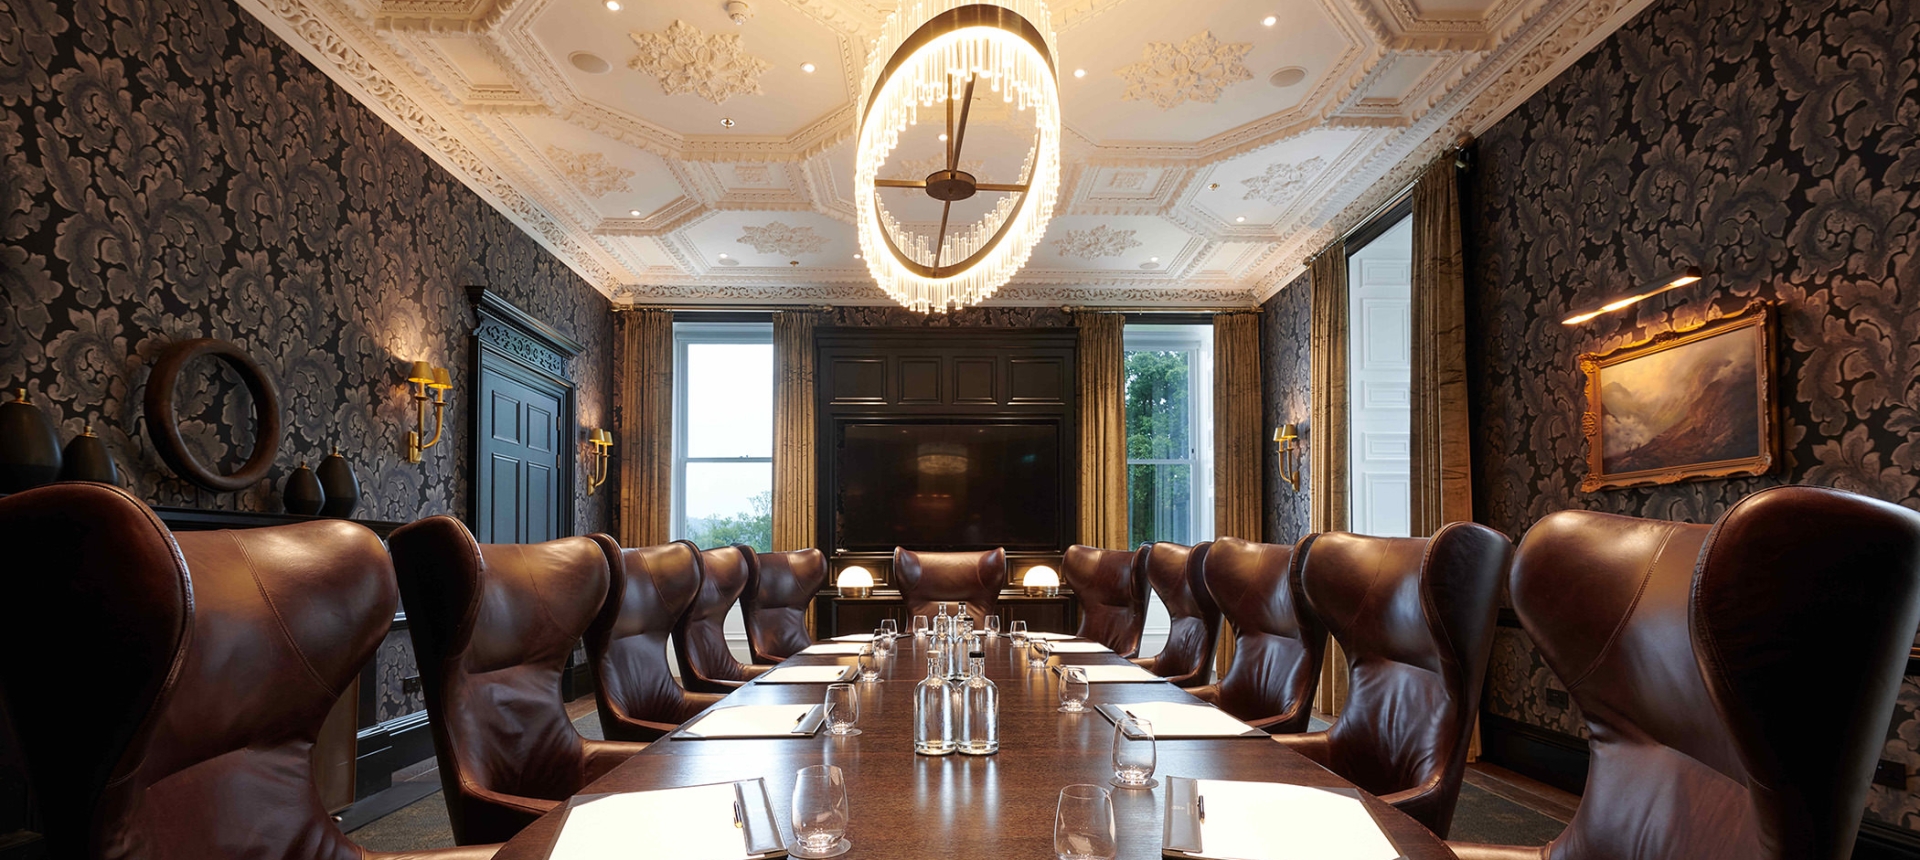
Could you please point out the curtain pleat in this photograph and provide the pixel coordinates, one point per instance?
(1441, 457)
(1238, 416)
(644, 370)
(794, 489)
(1327, 436)
(1103, 431)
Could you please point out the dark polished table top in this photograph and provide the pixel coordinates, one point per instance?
(904, 805)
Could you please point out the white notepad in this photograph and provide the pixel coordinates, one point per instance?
(1054, 636)
(839, 649)
(854, 637)
(1179, 719)
(751, 721)
(1117, 674)
(1271, 821)
(1081, 648)
(695, 823)
(808, 675)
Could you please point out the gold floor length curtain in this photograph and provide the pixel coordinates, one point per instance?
(1327, 437)
(1238, 416)
(1103, 431)
(794, 503)
(644, 370)
(1441, 456)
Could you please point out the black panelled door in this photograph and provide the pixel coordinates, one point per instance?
(523, 426)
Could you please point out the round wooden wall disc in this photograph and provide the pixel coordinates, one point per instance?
(164, 425)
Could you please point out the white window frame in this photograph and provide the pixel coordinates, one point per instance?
(1197, 341)
(684, 334)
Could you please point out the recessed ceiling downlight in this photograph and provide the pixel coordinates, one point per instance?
(1288, 76)
(1149, 265)
(589, 62)
(728, 261)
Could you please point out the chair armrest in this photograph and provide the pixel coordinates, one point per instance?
(1209, 693)
(491, 816)
(467, 852)
(1143, 662)
(598, 757)
(755, 670)
(1313, 745)
(1477, 851)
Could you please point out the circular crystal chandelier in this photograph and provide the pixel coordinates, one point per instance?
(939, 52)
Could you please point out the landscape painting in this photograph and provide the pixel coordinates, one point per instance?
(1685, 405)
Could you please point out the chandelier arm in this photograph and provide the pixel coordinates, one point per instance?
(939, 239)
(899, 183)
(996, 186)
(956, 138)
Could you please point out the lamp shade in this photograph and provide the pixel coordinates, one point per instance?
(1042, 576)
(441, 379)
(855, 581)
(422, 373)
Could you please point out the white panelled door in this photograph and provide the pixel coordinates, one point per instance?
(1380, 367)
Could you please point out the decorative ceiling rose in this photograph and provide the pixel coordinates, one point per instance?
(943, 52)
(1282, 182)
(1101, 241)
(590, 171)
(1197, 70)
(715, 68)
(780, 239)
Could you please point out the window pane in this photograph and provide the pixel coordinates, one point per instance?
(1158, 399)
(1159, 503)
(729, 503)
(729, 400)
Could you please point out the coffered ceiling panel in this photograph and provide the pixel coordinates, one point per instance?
(1207, 152)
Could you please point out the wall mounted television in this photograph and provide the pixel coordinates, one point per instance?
(948, 485)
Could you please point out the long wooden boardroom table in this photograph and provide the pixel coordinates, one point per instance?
(904, 805)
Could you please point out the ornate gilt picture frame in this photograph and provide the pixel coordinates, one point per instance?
(1685, 405)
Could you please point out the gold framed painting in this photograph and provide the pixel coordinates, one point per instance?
(1685, 405)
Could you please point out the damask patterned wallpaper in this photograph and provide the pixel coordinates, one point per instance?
(1286, 383)
(1772, 142)
(169, 169)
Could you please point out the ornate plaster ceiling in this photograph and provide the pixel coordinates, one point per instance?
(673, 156)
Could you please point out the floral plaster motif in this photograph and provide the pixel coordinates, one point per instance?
(590, 171)
(715, 68)
(1101, 241)
(1196, 70)
(778, 238)
(1282, 182)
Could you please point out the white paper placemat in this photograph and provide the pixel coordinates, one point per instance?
(1054, 636)
(751, 721)
(854, 637)
(1081, 648)
(694, 823)
(1116, 674)
(835, 649)
(808, 675)
(1185, 720)
(1271, 821)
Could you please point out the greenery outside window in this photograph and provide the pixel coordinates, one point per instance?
(723, 434)
(1168, 381)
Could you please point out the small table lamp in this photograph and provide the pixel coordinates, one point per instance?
(855, 581)
(1041, 581)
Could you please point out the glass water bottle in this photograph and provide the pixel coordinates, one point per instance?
(980, 717)
(933, 729)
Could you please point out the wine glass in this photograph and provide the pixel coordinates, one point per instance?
(1039, 652)
(1073, 690)
(889, 627)
(882, 643)
(993, 627)
(820, 812)
(843, 710)
(1083, 824)
(920, 626)
(1133, 753)
(870, 663)
(1018, 633)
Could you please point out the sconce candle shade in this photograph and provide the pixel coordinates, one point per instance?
(1291, 451)
(855, 581)
(421, 374)
(597, 459)
(441, 379)
(1679, 279)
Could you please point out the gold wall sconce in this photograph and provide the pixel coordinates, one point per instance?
(1292, 450)
(1679, 279)
(598, 458)
(426, 377)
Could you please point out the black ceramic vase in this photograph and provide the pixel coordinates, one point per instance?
(86, 459)
(342, 488)
(302, 493)
(29, 449)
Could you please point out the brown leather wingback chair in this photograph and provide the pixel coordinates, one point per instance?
(1691, 650)
(1279, 643)
(1415, 617)
(1193, 628)
(635, 691)
(700, 639)
(1111, 588)
(775, 603)
(213, 659)
(929, 578)
(492, 627)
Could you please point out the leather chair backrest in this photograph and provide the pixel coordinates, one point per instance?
(700, 640)
(651, 588)
(775, 603)
(1415, 617)
(1691, 651)
(929, 578)
(214, 659)
(1279, 643)
(1193, 621)
(1111, 587)
(492, 627)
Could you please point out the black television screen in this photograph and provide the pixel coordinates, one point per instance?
(948, 486)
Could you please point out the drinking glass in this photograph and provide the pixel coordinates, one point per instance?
(843, 710)
(1018, 633)
(870, 663)
(1073, 690)
(1039, 652)
(1083, 824)
(820, 812)
(889, 627)
(993, 626)
(882, 643)
(920, 626)
(1133, 755)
